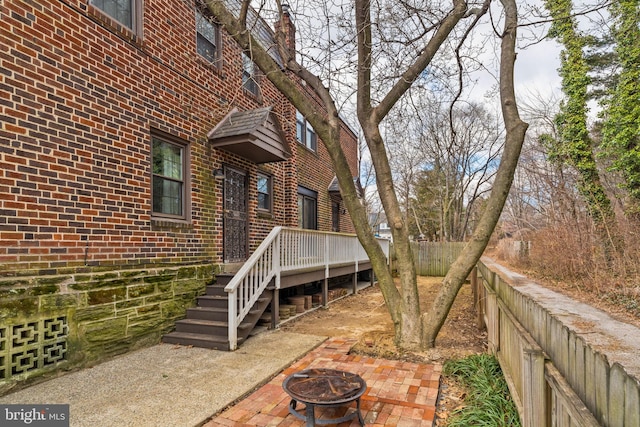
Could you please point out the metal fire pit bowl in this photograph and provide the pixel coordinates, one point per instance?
(324, 388)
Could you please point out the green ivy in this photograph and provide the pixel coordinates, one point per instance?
(574, 146)
(621, 129)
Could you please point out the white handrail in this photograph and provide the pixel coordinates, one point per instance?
(287, 249)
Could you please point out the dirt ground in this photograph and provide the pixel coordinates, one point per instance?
(364, 316)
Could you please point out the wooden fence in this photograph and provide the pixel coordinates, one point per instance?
(434, 258)
(566, 363)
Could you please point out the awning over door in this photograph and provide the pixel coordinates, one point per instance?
(255, 135)
(334, 186)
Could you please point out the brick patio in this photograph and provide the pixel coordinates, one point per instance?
(398, 393)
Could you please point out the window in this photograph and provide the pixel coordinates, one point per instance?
(264, 192)
(208, 36)
(168, 192)
(305, 133)
(123, 11)
(249, 80)
(307, 208)
(335, 216)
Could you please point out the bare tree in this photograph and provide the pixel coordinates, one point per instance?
(407, 36)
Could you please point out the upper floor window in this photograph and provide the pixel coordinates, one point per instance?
(264, 192)
(169, 187)
(249, 75)
(123, 11)
(305, 133)
(208, 38)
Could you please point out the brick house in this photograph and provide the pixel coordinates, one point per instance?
(141, 154)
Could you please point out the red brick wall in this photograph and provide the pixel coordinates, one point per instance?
(79, 98)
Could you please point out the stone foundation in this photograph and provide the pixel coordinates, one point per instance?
(67, 321)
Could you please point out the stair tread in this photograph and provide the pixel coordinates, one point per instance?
(203, 322)
(194, 336)
(205, 308)
(209, 322)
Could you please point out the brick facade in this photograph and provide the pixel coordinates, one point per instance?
(80, 98)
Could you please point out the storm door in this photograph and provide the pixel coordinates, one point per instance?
(235, 215)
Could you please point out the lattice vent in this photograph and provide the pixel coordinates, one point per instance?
(34, 345)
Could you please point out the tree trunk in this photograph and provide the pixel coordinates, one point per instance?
(412, 331)
(433, 320)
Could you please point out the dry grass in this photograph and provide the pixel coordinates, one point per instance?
(570, 258)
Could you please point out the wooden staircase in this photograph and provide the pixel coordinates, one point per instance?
(207, 324)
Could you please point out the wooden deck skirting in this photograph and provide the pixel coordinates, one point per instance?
(567, 364)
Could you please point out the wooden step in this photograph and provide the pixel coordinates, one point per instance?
(208, 313)
(213, 301)
(208, 327)
(223, 279)
(197, 340)
(216, 289)
(205, 327)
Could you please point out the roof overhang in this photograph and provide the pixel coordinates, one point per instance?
(334, 187)
(255, 135)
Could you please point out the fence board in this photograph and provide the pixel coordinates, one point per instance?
(582, 387)
(602, 389)
(631, 404)
(435, 258)
(568, 406)
(579, 368)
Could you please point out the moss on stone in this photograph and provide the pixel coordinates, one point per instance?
(187, 273)
(160, 279)
(53, 280)
(129, 303)
(134, 273)
(12, 293)
(94, 313)
(189, 286)
(174, 309)
(18, 307)
(145, 309)
(44, 290)
(14, 284)
(105, 296)
(164, 296)
(104, 331)
(57, 301)
(140, 290)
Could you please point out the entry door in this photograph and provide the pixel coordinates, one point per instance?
(235, 215)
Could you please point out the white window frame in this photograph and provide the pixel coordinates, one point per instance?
(305, 134)
(268, 179)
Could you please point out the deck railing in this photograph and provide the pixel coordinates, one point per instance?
(285, 250)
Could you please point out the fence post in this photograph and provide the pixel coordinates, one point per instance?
(493, 322)
(534, 389)
(477, 303)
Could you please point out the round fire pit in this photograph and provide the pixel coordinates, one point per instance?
(324, 388)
